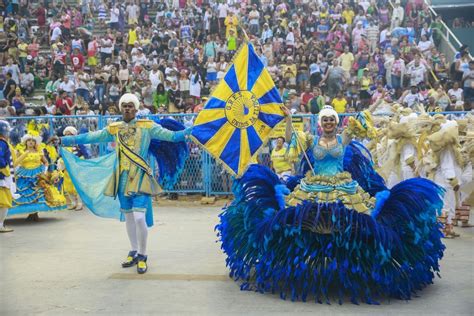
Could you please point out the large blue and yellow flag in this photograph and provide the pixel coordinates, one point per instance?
(241, 112)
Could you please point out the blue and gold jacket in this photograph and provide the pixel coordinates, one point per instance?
(133, 141)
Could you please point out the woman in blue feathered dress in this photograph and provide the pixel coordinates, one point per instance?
(336, 230)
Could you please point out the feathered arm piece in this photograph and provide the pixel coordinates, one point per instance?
(170, 156)
(361, 126)
(299, 143)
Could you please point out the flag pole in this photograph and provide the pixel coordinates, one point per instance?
(293, 131)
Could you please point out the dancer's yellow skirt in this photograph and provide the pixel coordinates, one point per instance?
(5, 198)
(68, 185)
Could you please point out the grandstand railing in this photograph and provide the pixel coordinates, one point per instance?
(202, 174)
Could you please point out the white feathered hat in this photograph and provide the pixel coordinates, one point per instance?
(327, 110)
(129, 97)
(27, 137)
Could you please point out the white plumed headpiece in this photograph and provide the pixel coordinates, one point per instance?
(327, 110)
(27, 137)
(129, 97)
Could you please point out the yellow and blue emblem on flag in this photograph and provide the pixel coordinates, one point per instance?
(241, 112)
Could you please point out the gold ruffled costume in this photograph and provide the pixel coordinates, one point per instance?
(360, 201)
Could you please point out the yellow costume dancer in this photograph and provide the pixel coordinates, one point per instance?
(69, 189)
(38, 192)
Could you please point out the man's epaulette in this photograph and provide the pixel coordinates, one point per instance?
(144, 123)
(114, 127)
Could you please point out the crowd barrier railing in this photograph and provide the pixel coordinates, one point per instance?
(202, 174)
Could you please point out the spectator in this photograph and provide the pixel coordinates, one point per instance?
(106, 48)
(64, 104)
(231, 42)
(114, 89)
(412, 97)
(339, 103)
(397, 72)
(267, 33)
(468, 86)
(306, 96)
(59, 61)
(50, 106)
(417, 72)
(13, 69)
(279, 160)
(56, 33)
(346, 60)
(77, 60)
(195, 83)
(373, 33)
(81, 84)
(425, 46)
(160, 99)
(9, 87)
(456, 92)
(67, 86)
(27, 82)
(5, 109)
(83, 109)
(335, 78)
(316, 103)
(18, 101)
(397, 15)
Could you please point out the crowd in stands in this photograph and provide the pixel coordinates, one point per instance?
(462, 22)
(82, 55)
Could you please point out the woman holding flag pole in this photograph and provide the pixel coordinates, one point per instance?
(336, 225)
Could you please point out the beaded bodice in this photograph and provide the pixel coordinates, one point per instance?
(328, 161)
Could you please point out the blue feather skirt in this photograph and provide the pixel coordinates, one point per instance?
(319, 250)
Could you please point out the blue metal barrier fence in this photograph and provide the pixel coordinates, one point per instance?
(202, 174)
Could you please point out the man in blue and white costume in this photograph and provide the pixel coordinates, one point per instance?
(125, 174)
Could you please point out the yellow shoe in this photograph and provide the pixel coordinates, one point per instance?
(142, 266)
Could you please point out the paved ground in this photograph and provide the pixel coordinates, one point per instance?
(69, 263)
